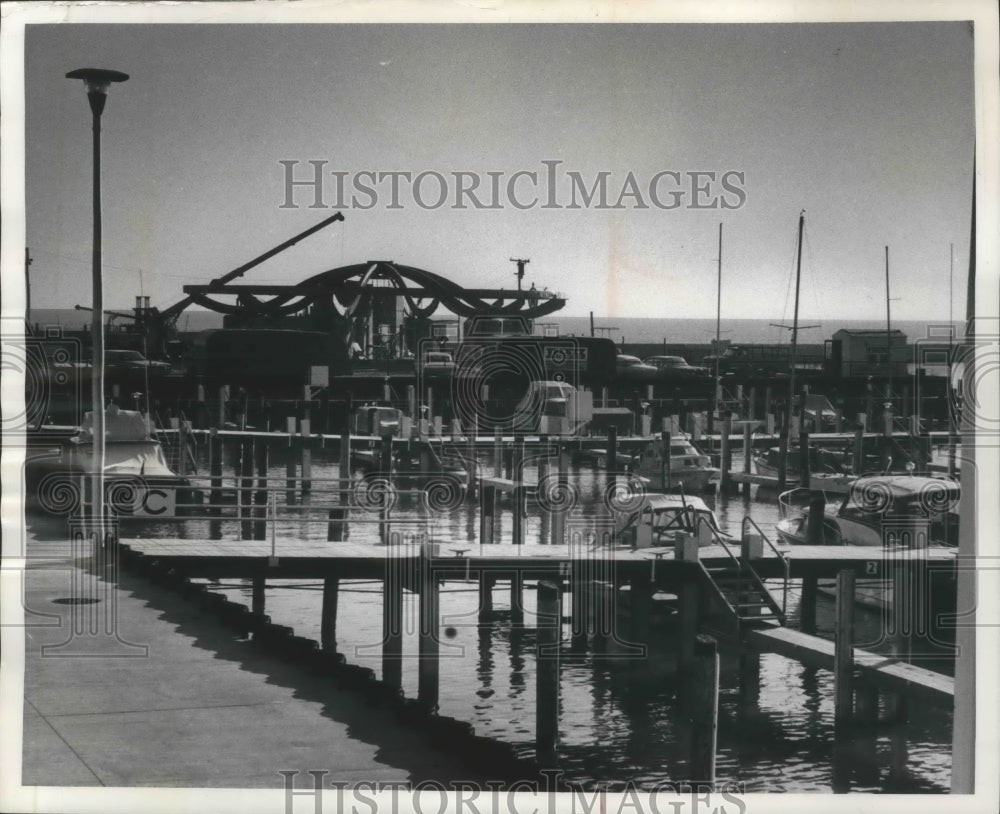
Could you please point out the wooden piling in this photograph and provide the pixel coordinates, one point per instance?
(245, 469)
(885, 442)
(290, 467)
(516, 599)
(640, 606)
(704, 710)
(665, 439)
(328, 620)
(725, 461)
(260, 496)
(859, 450)
(804, 459)
(215, 495)
(336, 525)
(557, 528)
(344, 472)
(580, 605)
(223, 398)
(485, 596)
(747, 457)
(257, 587)
(497, 453)
(905, 600)
(428, 671)
(843, 656)
(749, 678)
(689, 602)
(518, 493)
(487, 515)
(392, 626)
(306, 430)
(807, 605)
(604, 595)
(547, 678)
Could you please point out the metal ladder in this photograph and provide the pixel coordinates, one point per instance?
(739, 589)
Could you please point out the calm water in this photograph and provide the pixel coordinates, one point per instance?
(620, 719)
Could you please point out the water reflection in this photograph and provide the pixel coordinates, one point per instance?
(620, 717)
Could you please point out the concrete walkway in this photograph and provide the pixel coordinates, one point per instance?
(185, 702)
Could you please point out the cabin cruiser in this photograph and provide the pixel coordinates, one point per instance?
(654, 521)
(138, 479)
(682, 467)
(878, 510)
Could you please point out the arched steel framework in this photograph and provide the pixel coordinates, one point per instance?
(347, 288)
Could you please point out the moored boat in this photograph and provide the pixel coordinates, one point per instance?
(655, 518)
(877, 511)
(138, 479)
(680, 468)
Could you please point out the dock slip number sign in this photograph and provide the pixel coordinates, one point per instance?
(155, 502)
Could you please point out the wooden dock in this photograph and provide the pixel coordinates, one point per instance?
(298, 559)
(585, 571)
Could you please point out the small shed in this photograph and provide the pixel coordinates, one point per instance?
(870, 352)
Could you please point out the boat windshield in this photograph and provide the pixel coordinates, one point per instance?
(682, 519)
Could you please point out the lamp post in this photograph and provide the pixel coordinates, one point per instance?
(97, 81)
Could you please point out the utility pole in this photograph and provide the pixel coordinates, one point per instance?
(521, 263)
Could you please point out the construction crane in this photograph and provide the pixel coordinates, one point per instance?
(157, 324)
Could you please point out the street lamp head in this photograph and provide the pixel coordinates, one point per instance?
(97, 81)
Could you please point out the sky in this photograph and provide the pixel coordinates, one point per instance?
(866, 127)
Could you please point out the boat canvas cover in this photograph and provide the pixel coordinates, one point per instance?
(143, 459)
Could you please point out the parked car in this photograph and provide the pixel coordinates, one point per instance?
(675, 366)
(438, 364)
(632, 368)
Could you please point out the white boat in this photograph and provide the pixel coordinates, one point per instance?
(138, 479)
(878, 510)
(653, 521)
(682, 468)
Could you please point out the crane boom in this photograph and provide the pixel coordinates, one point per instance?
(172, 312)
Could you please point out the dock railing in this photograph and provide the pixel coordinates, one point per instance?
(784, 560)
(744, 565)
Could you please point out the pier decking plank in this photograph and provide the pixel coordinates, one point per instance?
(889, 673)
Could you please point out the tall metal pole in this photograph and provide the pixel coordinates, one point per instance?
(97, 81)
(97, 338)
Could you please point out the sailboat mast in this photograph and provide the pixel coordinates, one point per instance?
(718, 322)
(888, 331)
(795, 325)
